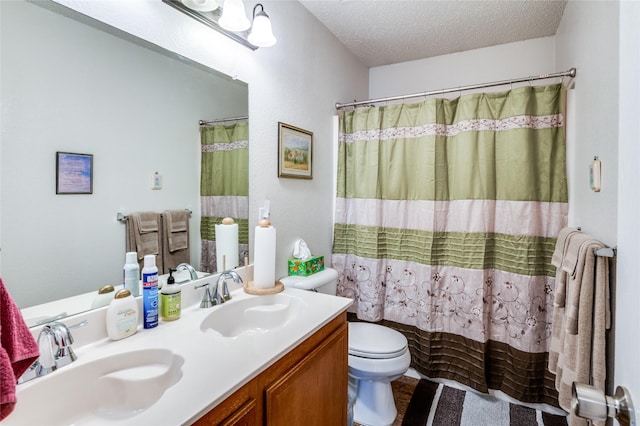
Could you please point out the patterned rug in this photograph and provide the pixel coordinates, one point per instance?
(425, 403)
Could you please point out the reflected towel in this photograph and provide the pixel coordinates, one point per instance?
(177, 229)
(175, 245)
(142, 233)
(18, 350)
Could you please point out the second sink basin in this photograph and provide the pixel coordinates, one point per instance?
(253, 315)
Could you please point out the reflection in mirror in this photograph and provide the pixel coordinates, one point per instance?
(72, 84)
(224, 194)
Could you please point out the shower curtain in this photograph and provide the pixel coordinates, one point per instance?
(224, 187)
(447, 213)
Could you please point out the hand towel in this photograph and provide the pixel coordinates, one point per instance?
(18, 350)
(562, 244)
(143, 234)
(175, 239)
(177, 230)
(564, 236)
(571, 256)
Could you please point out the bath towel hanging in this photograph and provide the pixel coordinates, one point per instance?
(581, 317)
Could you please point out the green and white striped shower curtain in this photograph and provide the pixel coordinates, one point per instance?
(447, 214)
(224, 186)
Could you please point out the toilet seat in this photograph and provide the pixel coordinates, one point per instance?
(374, 341)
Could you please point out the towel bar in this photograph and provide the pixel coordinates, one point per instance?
(605, 252)
(121, 217)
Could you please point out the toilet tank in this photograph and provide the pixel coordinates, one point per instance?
(325, 281)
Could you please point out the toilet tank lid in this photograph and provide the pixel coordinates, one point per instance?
(312, 281)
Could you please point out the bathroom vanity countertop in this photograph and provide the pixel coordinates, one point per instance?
(214, 366)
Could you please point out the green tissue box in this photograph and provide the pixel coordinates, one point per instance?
(307, 267)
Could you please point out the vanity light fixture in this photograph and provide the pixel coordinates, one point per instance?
(261, 34)
(229, 18)
(201, 5)
(234, 17)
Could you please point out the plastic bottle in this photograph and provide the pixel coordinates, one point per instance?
(170, 299)
(122, 315)
(150, 292)
(104, 297)
(131, 273)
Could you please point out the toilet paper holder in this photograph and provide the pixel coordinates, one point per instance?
(591, 403)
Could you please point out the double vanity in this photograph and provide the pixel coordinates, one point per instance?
(252, 360)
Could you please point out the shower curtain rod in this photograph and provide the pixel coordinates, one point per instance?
(221, 120)
(571, 73)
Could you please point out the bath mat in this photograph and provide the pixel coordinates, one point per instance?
(434, 404)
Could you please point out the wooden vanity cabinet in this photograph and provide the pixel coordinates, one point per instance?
(306, 386)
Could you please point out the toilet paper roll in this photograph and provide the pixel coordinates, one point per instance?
(227, 247)
(264, 257)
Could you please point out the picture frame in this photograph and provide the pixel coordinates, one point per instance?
(74, 173)
(295, 152)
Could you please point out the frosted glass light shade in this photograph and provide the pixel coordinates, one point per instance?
(201, 5)
(234, 17)
(261, 34)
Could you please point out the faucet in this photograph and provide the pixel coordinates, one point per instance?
(223, 279)
(54, 344)
(192, 271)
(220, 292)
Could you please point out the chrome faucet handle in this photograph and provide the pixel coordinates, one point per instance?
(206, 297)
(54, 344)
(216, 297)
(225, 291)
(63, 339)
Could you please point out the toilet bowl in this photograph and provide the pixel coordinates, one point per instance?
(377, 356)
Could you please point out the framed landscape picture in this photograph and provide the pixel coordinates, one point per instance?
(74, 173)
(295, 152)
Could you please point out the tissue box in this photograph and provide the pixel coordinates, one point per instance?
(307, 267)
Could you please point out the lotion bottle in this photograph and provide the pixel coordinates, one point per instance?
(104, 296)
(122, 315)
(170, 299)
(131, 273)
(150, 292)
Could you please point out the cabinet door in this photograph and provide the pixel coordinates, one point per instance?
(245, 416)
(314, 392)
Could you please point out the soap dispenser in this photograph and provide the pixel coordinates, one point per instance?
(170, 299)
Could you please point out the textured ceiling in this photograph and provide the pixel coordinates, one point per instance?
(381, 32)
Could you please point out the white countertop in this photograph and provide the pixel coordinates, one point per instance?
(214, 366)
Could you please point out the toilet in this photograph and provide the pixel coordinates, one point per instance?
(377, 356)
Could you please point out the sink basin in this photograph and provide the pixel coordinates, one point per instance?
(106, 390)
(252, 315)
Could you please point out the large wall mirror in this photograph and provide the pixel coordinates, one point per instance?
(72, 84)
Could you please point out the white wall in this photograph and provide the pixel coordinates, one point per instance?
(297, 81)
(627, 367)
(506, 61)
(588, 40)
(69, 87)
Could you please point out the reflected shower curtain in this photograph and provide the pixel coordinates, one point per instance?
(224, 187)
(447, 214)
